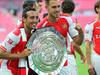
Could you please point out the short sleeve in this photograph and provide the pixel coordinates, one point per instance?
(10, 42)
(88, 32)
(72, 31)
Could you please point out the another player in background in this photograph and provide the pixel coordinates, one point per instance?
(92, 40)
(41, 9)
(67, 11)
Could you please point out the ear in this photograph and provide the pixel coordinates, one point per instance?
(97, 9)
(46, 6)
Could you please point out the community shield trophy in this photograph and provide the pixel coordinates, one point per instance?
(49, 51)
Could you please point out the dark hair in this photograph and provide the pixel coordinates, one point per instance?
(68, 0)
(39, 0)
(68, 6)
(29, 3)
(47, 2)
(44, 15)
(25, 10)
(97, 5)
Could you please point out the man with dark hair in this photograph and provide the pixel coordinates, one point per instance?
(67, 10)
(41, 9)
(34, 5)
(31, 3)
(68, 7)
(92, 39)
(14, 49)
(96, 6)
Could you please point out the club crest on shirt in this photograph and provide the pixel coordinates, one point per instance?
(64, 26)
(10, 41)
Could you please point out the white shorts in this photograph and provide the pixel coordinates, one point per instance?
(5, 71)
(96, 62)
(71, 68)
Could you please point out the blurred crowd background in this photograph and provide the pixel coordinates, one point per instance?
(10, 12)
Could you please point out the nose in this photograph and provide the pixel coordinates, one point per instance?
(35, 19)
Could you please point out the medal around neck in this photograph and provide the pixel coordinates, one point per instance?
(48, 48)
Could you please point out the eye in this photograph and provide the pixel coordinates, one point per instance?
(40, 5)
(53, 6)
(56, 6)
(33, 17)
(36, 17)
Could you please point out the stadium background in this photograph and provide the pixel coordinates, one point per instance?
(10, 12)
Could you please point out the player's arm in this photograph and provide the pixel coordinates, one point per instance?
(91, 69)
(8, 44)
(88, 43)
(80, 32)
(79, 39)
(9, 55)
(79, 51)
(88, 53)
(76, 32)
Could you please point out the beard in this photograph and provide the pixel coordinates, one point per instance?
(56, 14)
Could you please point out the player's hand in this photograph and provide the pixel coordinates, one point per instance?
(77, 25)
(83, 58)
(91, 70)
(26, 52)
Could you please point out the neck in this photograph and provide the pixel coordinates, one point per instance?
(98, 17)
(27, 30)
(52, 19)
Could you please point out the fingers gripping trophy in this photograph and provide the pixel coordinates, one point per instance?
(48, 47)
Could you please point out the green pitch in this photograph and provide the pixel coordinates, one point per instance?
(82, 68)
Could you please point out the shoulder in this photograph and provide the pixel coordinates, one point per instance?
(11, 41)
(14, 35)
(90, 25)
(66, 17)
(42, 23)
(16, 32)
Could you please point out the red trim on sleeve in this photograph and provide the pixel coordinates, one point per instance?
(1, 60)
(4, 49)
(66, 63)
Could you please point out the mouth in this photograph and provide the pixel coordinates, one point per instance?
(57, 13)
(33, 25)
